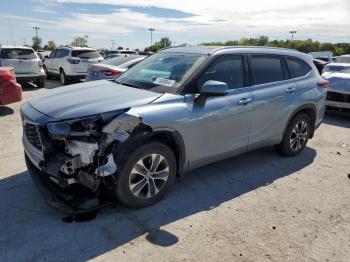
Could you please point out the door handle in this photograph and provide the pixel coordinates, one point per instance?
(290, 90)
(244, 101)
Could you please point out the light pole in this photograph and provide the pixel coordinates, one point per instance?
(36, 28)
(151, 30)
(292, 33)
(113, 43)
(86, 38)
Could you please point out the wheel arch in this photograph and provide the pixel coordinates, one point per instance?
(308, 109)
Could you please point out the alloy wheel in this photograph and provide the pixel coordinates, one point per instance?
(148, 176)
(298, 135)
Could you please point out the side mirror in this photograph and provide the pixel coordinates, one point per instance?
(46, 57)
(212, 87)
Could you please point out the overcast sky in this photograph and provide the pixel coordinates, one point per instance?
(184, 21)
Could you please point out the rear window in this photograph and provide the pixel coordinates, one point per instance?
(18, 53)
(129, 52)
(86, 54)
(297, 67)
(266, 69)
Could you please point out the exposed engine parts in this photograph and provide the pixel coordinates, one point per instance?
(83, 151)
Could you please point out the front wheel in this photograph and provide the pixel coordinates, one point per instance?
(146, 175)
(296, 136)
(63, 78)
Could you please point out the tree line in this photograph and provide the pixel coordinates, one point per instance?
(305, 46)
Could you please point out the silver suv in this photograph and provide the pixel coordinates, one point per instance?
(28, 66)
(70, 63)
(179, 109)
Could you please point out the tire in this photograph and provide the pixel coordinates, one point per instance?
(130, 180)
(63, 78)
(47, 74)
(296, 136)
(40, 83)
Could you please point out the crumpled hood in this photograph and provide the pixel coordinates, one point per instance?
(90, 98)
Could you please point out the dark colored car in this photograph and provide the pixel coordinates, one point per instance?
(10, 90)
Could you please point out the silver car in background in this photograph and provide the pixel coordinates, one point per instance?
(26, 63)
(338, 75)
(111, 68)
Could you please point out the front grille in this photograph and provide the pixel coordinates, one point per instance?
(338, 97)
(32, 134)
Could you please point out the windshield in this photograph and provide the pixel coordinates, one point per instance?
(343, 59)
(18, 53)
(88, 54)
(163, 72)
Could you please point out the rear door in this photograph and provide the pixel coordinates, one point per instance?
(271, 87)
(86, 57)
(23, 60)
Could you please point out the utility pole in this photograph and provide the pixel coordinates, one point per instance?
(24, 41)
(86, 38)
(292, 33)
(151, 30)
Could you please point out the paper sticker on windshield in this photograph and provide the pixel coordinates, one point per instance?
(164, 82)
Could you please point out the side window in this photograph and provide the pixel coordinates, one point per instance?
(297, 67)
(58, 53)
(266, 68)
(52, 54)
(228, 69)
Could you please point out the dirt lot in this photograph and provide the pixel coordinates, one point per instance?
(255, 207)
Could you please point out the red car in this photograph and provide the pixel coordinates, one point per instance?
(10, 90)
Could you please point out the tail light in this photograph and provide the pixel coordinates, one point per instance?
(323, 84)
(73, 61)
(8, 75)
(40, 64)
(111, 72)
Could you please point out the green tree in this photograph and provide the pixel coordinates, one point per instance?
(162, 43)
(51, 45)
(36, 42)
(78, 41)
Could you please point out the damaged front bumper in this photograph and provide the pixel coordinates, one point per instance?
(62, 200)
(72, 162)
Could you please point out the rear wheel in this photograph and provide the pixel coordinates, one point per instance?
(40, 83)
(296, 136)
(47, 74)
(146, 175)
(63, 78)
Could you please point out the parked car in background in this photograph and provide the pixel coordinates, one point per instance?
(119, 53)
(326, 56)
(70, 63)
(10, 90)
(112, 68)
(26, 63)
(338, 75)
(43, 54)
(179, 109)
(320, 64)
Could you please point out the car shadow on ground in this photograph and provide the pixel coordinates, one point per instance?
(32, 230)
(49, 84)
(5, 111)
(337, 119)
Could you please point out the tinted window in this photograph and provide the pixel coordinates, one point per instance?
(266, 69)
(52, 54)
(18, 53)
(86, 54)
(297, 67)
(227, 69)
(58, 53)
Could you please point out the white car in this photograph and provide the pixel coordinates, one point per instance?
(119, 53)
(338, 75)
(70, 63)
(26, 63)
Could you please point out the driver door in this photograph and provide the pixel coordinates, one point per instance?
(220, 125)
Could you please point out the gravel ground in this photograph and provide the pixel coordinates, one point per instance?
(256, 207)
